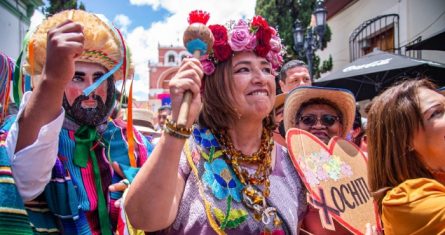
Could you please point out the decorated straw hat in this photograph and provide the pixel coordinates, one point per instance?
(342, 98)
(102, 43)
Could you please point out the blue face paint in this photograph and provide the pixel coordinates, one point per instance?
(99, 81)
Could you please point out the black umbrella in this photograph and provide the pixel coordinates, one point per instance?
(367, 76)
(434, 42)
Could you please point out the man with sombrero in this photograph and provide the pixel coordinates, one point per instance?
(70, 161)
(325, 113)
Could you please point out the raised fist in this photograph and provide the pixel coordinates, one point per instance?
(65, 43)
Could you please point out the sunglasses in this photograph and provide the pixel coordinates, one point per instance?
(325, 119)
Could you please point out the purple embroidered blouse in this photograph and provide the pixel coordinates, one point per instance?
(287, 194)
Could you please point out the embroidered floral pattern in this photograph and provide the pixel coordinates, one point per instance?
(222, 180)
(205, 138)
(320, 166)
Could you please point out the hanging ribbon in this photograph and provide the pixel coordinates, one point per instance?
(87, 91)
(85, 137)
(130, 131)
(17, 84)
(6, 68)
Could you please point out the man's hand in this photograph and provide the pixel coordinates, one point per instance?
(65, 43)
(121, 185)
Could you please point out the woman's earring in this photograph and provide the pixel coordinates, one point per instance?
(410, 149)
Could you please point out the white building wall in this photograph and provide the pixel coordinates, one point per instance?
(12, 30)
(416, 18)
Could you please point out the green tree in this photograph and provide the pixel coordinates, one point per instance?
(60, 5)
(282, 15)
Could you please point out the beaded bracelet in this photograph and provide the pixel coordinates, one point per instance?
(175, 128)
(177, 132)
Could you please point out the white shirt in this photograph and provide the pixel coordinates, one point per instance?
(32, 166)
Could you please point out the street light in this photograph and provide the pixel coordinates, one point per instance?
(312, 41)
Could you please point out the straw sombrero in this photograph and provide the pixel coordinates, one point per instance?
(143, 121)
(344, 100)
(279, 100)
(102, 45)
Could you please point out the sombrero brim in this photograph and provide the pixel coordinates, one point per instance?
(147, 130)
(279, 100)
(344, 100)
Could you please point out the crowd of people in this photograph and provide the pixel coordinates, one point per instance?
(77, 168)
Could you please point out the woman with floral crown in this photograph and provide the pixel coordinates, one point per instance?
(224, 174)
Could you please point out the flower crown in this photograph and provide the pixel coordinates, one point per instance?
(256, 36)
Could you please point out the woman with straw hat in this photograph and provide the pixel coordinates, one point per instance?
(70, 161)
(325, 113)
(224, 174)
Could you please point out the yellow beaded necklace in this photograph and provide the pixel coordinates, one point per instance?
(262, 158)
(253, 198)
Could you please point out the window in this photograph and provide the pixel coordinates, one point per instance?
(381, 32)
(171, 58)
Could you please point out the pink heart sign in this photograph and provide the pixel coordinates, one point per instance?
(336, 178)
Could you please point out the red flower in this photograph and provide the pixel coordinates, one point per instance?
(198, 16)
(219, 33)
(260, 22)
(263, 36)
(222, 52)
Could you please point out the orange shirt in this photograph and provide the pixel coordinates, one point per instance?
(416, 206)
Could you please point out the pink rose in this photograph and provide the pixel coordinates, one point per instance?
(275, 59)
(275, 44)
(208, 66)
(252, 44)
(240, 36)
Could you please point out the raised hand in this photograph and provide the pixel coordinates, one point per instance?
(65, 43)
(188, 77)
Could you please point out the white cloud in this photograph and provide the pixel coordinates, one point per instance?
(143, 42)
(153, 3)
(122, 22)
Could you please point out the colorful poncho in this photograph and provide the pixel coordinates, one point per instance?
(13, 216)
(69, 203)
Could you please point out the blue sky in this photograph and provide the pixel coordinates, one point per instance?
(141, 15)
(147, 23)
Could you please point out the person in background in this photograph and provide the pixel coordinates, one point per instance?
(406, 164)
(163, 113)
(13, 216)
(225, 174)
(143, 122)
(325, 113)
(279, 134)
(357, 131)
(293, 74)
(71, 161)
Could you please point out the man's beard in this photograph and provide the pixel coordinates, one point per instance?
(89, 116)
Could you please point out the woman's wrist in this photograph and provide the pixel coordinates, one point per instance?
(171, 128)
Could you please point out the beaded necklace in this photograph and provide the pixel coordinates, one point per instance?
(262, 158)
(253, 198)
